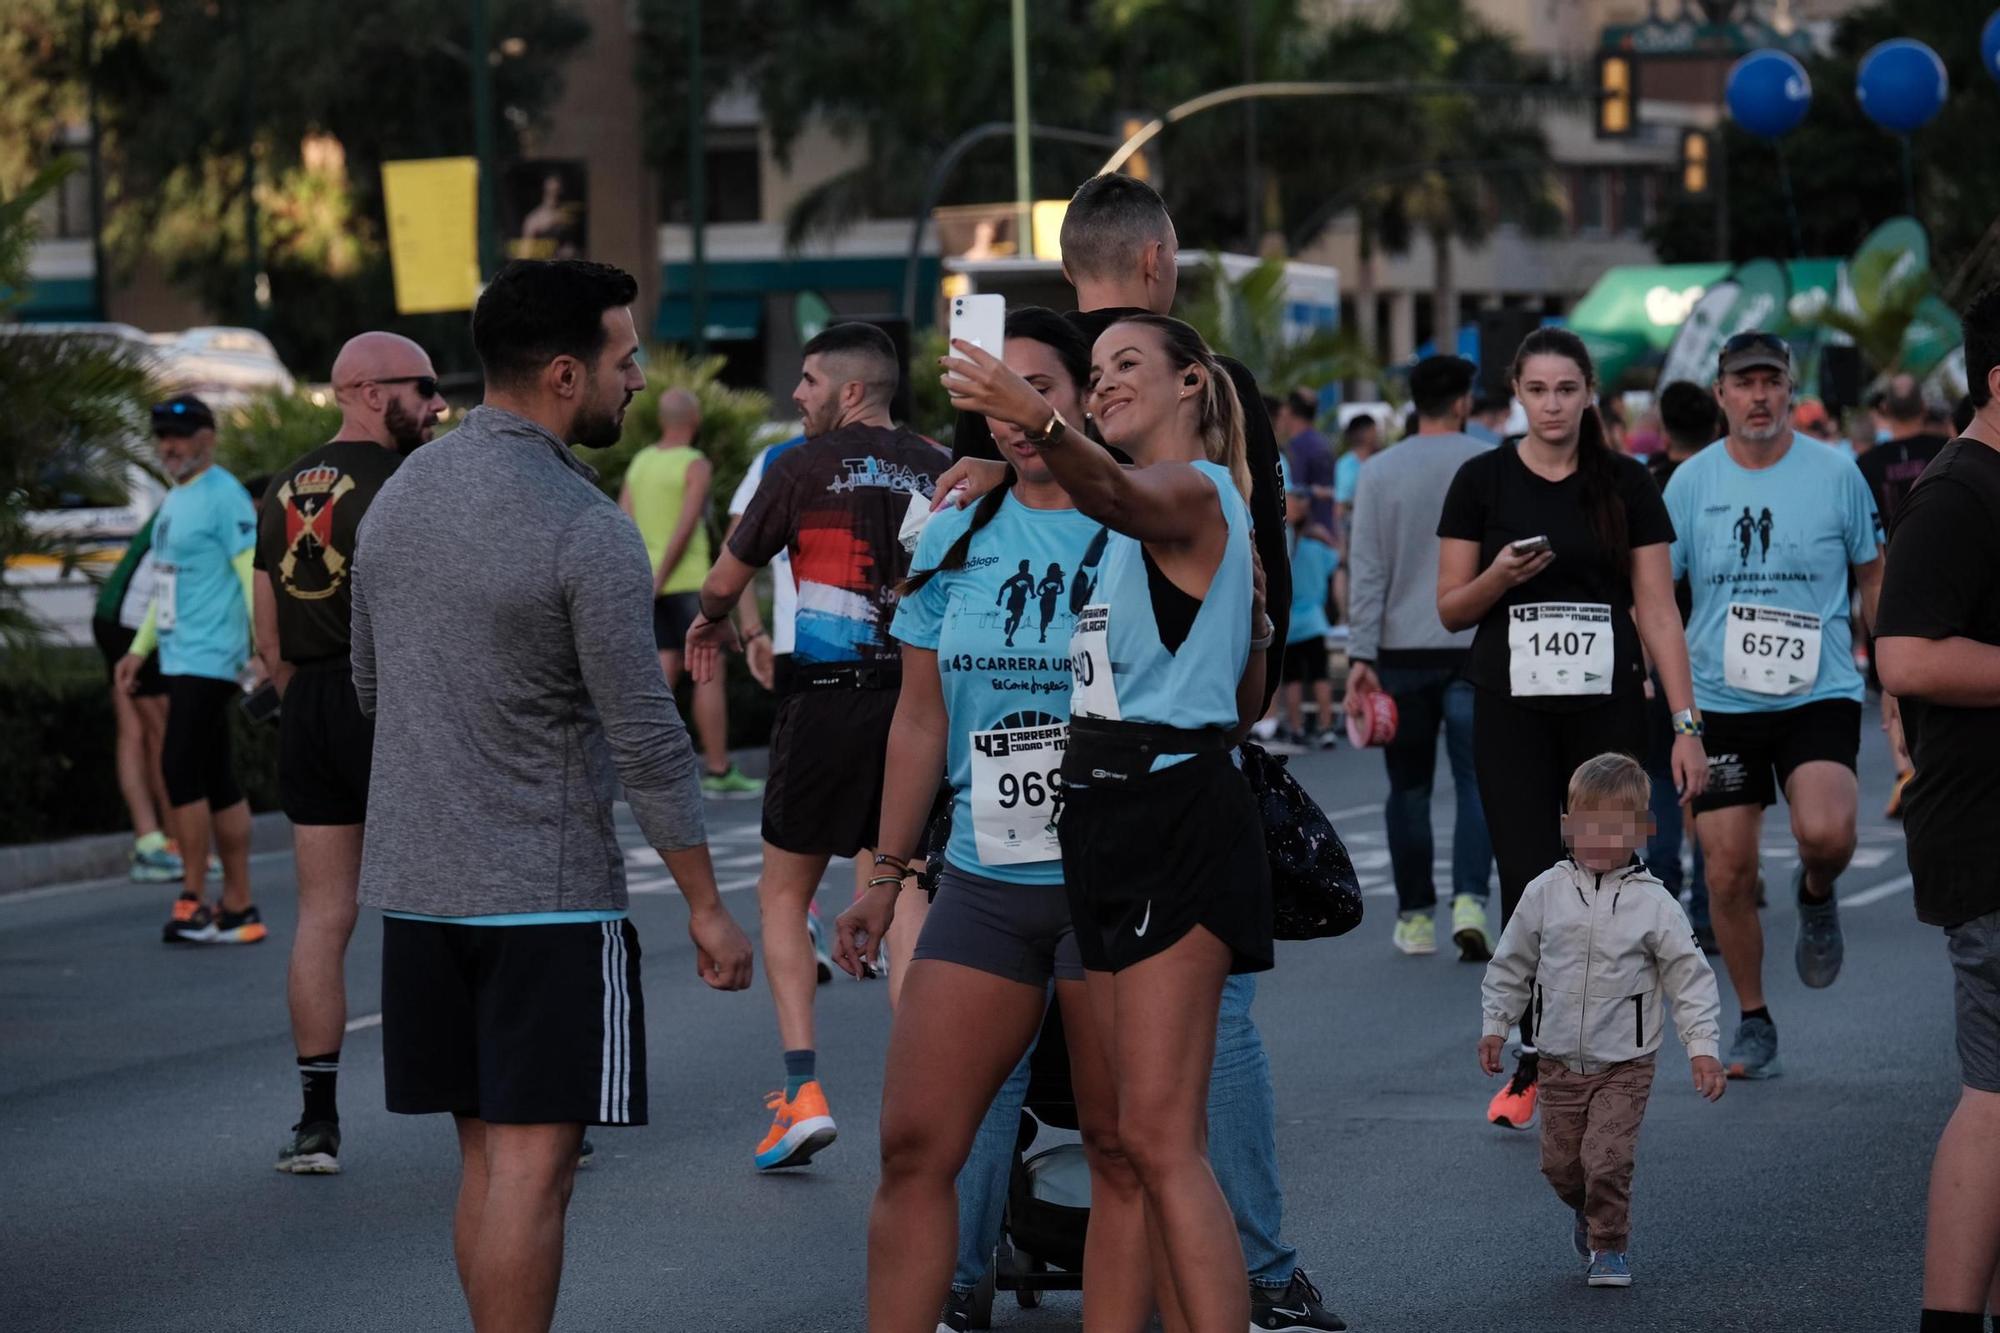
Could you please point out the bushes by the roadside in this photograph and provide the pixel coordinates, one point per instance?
(58, 767)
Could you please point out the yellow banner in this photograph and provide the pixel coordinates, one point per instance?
(433, 208)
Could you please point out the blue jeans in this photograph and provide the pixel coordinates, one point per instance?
(1427, 699)
(1242, 1147)
(1663, 852)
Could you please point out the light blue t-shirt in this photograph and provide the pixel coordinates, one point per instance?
(203, 525)
(1313, 563)
(1781, 539)
(1346, 476)
(1000, 627)
(1121, 667)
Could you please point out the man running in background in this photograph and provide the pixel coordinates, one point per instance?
(835, 504)
(1774, 676)
(387, 391)
(666, 493)
(200, 621)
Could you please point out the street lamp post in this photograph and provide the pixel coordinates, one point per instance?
(1023, 182)
(697, 186)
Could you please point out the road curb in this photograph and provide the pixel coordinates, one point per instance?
(104, 855)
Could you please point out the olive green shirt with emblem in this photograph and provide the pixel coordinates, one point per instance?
(305, 542)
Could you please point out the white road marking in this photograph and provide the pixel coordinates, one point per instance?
(365, 1021)
(1888, 888)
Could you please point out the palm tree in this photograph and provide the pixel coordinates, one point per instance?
(1244, 318)
(1488, 160)
(75, 409)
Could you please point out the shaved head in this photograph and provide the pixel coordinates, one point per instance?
(679, 409)
(387, 391)
(378, 355)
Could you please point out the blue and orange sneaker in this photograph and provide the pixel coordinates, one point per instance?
(800, 1127)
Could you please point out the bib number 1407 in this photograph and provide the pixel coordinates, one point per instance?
(1559, 648)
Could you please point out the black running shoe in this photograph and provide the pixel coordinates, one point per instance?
(1296, 1305)
(313, 1151)
(956, 1317)
(191, 922)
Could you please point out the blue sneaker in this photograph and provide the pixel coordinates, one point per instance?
(1753, 1052)
(1819, 950)
(1579, 1236)
(152, 862)
(1608, 1268)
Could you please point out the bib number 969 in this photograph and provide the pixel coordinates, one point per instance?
(1029, 788)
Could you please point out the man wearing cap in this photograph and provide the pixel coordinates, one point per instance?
(1774, 676)
(200, 620)
(387, 391)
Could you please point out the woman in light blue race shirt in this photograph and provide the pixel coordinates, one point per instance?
(985, 622)
(1162, 846)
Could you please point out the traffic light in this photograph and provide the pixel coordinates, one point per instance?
(1617, 97)
(1695, 149)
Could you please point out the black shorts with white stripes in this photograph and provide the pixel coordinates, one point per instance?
(514, 1025)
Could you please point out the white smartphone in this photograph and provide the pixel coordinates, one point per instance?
(980, 320)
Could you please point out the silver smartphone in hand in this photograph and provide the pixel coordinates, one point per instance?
(1529, 546)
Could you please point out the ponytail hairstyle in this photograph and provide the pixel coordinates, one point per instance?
(1222, 437)
(1596, 465)
(1037, 324)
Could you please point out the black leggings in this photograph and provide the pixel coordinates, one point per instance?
(194, 757)
(1524, 757)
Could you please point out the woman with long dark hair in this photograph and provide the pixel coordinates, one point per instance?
(1556, 550)
(987, 707)
(1162, 848)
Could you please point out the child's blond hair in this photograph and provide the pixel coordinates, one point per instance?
(1610, 782)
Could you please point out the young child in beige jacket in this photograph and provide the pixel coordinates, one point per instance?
(1591, 955)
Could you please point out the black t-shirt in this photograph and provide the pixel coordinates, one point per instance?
(971, 439)
(1943, 582)
(1892, 470)
(305, 542)
(1495, 500)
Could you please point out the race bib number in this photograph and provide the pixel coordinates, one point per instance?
(1559, 648)
(1767, 650)
(166, 582)
(1017, 794)
(1092, 693)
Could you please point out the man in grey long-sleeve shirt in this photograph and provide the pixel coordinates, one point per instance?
(502, 642)
(1398, 644)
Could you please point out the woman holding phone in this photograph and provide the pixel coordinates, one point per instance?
(993, 718)
(1556, 550)
(1162, 846)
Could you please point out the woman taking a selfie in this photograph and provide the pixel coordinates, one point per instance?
(1162, 846)
(1556, 549)
(992, 716)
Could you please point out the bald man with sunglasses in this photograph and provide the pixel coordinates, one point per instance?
(389, 404)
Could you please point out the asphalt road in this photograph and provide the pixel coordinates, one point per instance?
(145, 1090)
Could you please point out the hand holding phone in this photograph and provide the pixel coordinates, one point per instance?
(1529, 546)
(981, 320)
(1522, 560)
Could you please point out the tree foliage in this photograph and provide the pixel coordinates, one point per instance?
(331, 91)
(1846, 171)
(1244, 318)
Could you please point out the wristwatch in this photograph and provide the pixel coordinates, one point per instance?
(1047, 434)
(1687, 724)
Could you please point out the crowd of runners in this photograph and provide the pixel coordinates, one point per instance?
(1021, 679)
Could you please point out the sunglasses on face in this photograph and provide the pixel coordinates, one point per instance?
(427, 385)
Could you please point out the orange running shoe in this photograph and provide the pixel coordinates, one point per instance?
(191, 922)
(1513, 1107)
(800, 1127)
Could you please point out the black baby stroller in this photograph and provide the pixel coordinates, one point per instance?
(1048, 1192)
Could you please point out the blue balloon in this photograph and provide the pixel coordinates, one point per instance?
(1989, 45)
(1769, 93)
(1902, 85)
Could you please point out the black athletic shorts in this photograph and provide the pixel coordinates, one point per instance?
(673, 616)
(114, 641)
(195, 758)
(1148, 860)
(514, 1025)
(823, 796)
(326, 745)
(1305, 661)
(1751, 756)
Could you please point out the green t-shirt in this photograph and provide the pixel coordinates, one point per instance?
(111, 597)
(657, 480)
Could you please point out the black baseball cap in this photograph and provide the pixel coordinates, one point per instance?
(183, 414)
(1752, 349)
